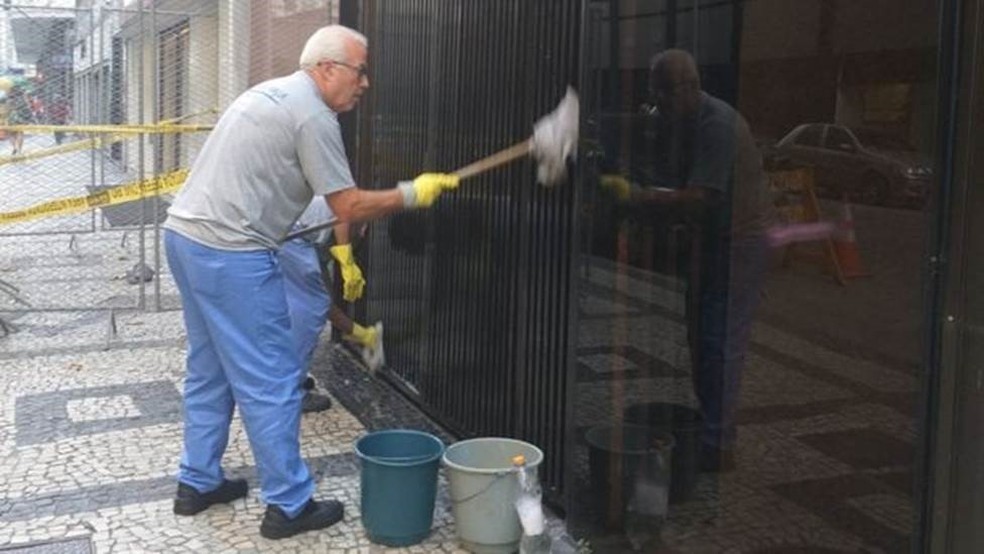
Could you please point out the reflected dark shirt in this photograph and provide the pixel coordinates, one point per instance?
(715, 151)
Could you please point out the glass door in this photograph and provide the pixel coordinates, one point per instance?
(958, 453)
(750, 360)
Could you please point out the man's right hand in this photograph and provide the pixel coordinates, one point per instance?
(423, 191)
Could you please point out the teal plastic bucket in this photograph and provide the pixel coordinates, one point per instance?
(399, 484)
(484, 487)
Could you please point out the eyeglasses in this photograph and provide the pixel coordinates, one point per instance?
(361, 69)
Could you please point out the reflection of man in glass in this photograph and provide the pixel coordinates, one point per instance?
(706, 160)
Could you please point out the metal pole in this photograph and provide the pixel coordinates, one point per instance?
(91, 107)
(157, 159)
(102, 98)
(696, 23)
(142, 302)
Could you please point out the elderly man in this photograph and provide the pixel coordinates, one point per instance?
(275, 147)
(705, 162)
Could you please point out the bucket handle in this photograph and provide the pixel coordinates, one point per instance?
(498, 477)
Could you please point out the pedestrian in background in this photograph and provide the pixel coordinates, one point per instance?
(19, 112)
(59, 113)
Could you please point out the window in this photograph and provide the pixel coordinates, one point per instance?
(838, 139)
(809, 136)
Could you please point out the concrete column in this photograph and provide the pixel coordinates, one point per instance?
(203, 78)
(234, 44)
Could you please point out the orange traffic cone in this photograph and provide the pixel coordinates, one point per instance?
(846, 246)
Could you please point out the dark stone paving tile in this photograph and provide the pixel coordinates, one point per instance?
(619, 317)
(829, 500)
(783, 412)
(43, 417)
(607, 308)
(757, 415)
(80, 260)
(902, 481)
(862, 448)
(793, 325)
(790, 549)
(373, 401)
(648, 309)
(140, 491)
(903, 403)
(894, 399)
(84, 319)
(641, 366)
(89, 348)
(797, 326)
(66, 546)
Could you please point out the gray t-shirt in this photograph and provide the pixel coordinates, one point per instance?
(726, 159)
(273, 149)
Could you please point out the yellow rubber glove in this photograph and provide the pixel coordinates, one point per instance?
(618, 185)
(366, 336)
(423, 191)
(352, 281)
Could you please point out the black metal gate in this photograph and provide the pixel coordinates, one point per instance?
(475, 293)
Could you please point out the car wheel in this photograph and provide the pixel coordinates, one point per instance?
(874, 190)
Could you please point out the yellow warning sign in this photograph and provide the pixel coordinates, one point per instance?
(163, 184)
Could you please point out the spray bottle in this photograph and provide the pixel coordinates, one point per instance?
(529, 506)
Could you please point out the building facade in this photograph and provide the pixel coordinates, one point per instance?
(696, 385)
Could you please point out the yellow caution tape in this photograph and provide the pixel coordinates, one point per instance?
(186, 117)
(168, 182)
(166, 128)
(98, 142)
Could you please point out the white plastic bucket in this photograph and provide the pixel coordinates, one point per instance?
(484, 488)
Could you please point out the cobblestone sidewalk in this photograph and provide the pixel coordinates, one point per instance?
(90, 438)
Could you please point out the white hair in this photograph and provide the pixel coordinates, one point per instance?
(328, 43)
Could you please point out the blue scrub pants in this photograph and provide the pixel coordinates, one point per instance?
(240, 352)
(730, 291)
(307, 298)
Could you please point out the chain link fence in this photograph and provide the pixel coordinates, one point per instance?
(99, 99)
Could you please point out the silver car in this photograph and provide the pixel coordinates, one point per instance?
(865, 166)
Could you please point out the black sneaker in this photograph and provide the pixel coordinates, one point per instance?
(188, 501)
(314, 402)
(315, 515)
(308, 383)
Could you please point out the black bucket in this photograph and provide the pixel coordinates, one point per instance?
(685, 425)
(642, 457)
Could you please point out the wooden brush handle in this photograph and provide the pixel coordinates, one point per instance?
(501, 157)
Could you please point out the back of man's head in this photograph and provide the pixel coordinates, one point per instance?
(674, 83)
(329, 43)
(671, 68)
